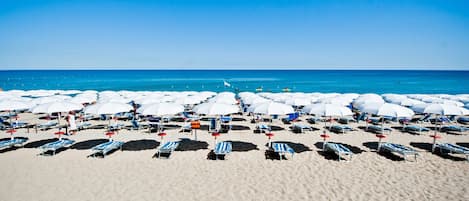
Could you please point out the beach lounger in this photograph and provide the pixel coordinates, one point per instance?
(222, 148)
(312, 120)
(398, 148)
(379, 129)
(48, 125)
(54, 146)
(106, 147)
(190, 117)
(463, 120)
(340, 129)
(452, 149)
(291, 117)
(83, 125)
(338, 149)
(116, 126)
(415, 129)
(12, 142)
(263, 128)
(453, 128)
(281, 149)
(18, 124)
(346, 120)
(168, 148)
(301, 128)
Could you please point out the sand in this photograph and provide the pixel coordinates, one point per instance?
(189, 175)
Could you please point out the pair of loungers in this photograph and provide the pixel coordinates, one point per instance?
(415, 129)
(448, 148)
(340, 129)
(339, 149)
(221, 149)
(103, 148)
(404, 151)
(379, 129)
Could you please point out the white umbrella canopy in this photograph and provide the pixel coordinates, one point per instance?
(440, 109)
(161, 109)
(215, 109)
(107, 108)
(11, 105)
(271, 108)
(388, 109)
(409, 102)
(53, 107)
(189, 100)
(298, 101)
(327, 110)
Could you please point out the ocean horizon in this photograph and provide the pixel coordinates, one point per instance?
(297, 80)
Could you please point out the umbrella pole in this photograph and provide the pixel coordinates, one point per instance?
(382, 126)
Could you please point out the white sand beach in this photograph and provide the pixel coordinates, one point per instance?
(189, 175)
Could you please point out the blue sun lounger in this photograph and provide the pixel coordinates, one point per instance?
(222, 148)
(338, 149)
(463, 120)
(416, 129)
(452, 149)
(54, 146)
(379, 129)
(340, 129)
(83, 125)
(12, 142)
(281, 149)
(301, 128)
(48, 125)
(106, 147)
(168, 148)
(398, 148)
(453, 128)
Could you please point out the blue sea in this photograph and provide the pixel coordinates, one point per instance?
(341, 81)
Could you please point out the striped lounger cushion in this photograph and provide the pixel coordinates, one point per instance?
(223, 148)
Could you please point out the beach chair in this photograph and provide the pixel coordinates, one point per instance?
(452, 149)
(338, 149)
(116, 126)
(281, 149)
(291, 117)
(340, 129)
(399, 149)
(54, 146)
(415, 129)
(312, 120)
(106, 147)
(19, 124)
(378, 129)
(222, 148)
(48, 125)
(301, 128)
(190, 117)
(453, 128)
(463, 120)
(12, 142)
(346, 120)
(263, 128)
(168, 148)
(213, 125)
(83, 125)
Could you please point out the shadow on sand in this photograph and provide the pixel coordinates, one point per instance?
(139, 145)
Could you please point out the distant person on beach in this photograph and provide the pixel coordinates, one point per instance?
(71, 123)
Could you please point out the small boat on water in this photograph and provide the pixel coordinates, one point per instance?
(286, 89)
(259, 89)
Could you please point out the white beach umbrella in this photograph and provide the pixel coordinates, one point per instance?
(440, 109)
(410, 102)
(388, 109)
(108, 108)
(215, 109)
(327, 110)
(161, 109)
(11, 105)
(55, 107)
(271, 108)
(298, 101)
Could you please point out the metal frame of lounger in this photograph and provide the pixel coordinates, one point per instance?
(453, 149)
(398, 148)
(168, 148)
(53, 146)
(106, 147)
(12, 143)
(338, 149)
(282, 149)
(222, 148)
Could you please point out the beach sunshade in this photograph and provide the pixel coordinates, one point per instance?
(215, 109)
(388, 109)
(271, 108)
(10, 105)
(327, 110)
(53, 107)
(298, 101)
(107, 108)
(440, 109)
(161, 109)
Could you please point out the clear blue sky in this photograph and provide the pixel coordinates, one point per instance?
(381, 34)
